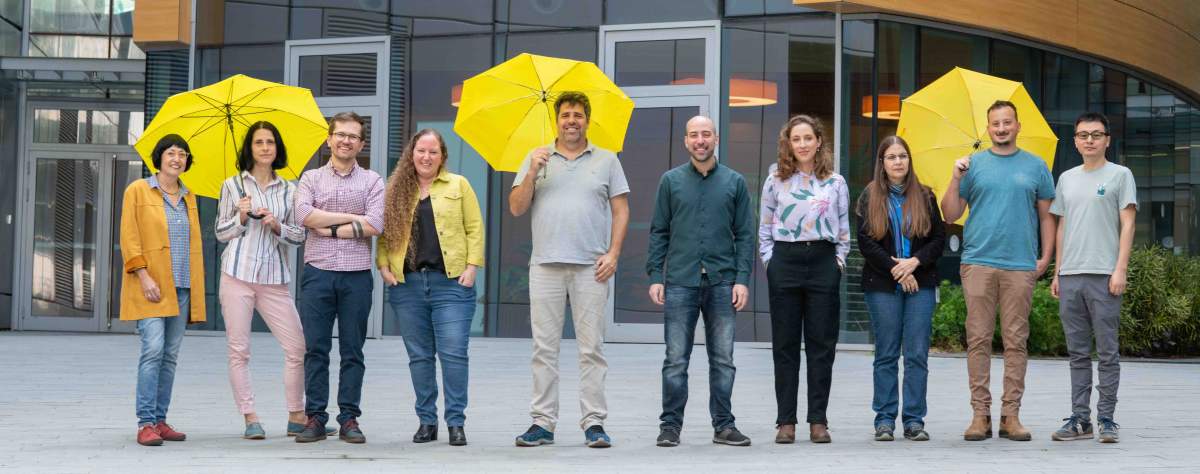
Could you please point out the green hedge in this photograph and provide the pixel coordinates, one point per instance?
(1160, 314)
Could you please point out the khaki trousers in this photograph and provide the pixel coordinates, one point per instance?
(1011, 291)
(550, 286)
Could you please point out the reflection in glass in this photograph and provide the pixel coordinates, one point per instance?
(339, 75)
(124, 174)
(64, 46)
(10, 39)
(64, 238)
(657, 63)
(101, 127)
(70, 16)
(653, 145)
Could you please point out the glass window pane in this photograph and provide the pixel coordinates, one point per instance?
(64, 238)
(122, 17)
(10, 39)
(247, 23)
(656, 63)
(124, 48)
(942, 51)
(62, 46)
(70, 16)
(124, 174)
(263, 62)
(102, 127)
(339, 75)
(577, 45)
(655, 11)
(12, 12)
(524, 15)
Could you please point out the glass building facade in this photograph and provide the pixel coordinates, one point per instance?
(773, 60)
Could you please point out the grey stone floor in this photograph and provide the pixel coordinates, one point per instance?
(68, 407)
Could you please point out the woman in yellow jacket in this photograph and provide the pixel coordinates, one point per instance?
(429, 253)
(163, 286)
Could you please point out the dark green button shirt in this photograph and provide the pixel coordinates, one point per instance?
(701, 223)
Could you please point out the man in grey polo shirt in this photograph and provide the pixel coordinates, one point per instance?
(578, 195)
(1097, 204)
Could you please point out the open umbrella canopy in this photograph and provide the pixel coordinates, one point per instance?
(214, 120)
(508, 110)
(947, 120)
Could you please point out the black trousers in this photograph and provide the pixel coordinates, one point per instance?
(803, 280)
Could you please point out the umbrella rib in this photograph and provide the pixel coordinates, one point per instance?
(514, 130)
(573, 66)
(518, 84)
(944, 119)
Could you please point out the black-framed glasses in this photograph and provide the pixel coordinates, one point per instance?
(350, 137)
(1092, 135)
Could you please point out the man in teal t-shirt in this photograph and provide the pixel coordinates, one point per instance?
(1009, 192)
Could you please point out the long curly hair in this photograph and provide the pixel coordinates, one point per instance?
(873, 204)
(788, 164)
(402, 194)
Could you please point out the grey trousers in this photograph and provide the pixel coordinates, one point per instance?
(1087, 309)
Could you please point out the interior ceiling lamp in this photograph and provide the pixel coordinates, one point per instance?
(456, 94)
(889, 106)
(743, 92)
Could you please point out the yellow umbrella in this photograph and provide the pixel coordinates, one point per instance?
(508, 110)
(214, 119)
(947, 120)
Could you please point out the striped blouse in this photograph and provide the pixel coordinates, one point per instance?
(254, 253)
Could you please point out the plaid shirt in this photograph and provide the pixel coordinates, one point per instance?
(179, 230)
(254, 253)
(358, 192)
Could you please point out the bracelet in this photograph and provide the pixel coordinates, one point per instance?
(334, 228)
(358, 230)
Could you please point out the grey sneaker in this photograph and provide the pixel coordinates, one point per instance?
(1110, 431)
(731, 436)
(884, 433)
(1076, 427)
(916, 432)
(668, 436)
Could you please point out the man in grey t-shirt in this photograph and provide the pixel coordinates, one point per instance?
(578, 195)
(1097, 203)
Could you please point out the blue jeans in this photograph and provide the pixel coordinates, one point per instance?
(326, 296)
(902, 323)
(161, 338)
(435, 314)
(684, 305)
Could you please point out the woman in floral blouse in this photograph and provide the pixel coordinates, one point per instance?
(804, 237)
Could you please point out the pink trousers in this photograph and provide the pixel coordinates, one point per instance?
(275, 304)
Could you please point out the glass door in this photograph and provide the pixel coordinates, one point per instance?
(126, 168)
(62, 242)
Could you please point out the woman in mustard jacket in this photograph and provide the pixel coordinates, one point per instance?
(163, 286)
(429, 253)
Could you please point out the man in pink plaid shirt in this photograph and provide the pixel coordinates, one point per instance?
(341, 204)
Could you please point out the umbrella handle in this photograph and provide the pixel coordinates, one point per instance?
(242, 193)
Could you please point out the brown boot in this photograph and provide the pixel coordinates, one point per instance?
(980, 429)
(1011, 428)
(786, 434)
(818, 433)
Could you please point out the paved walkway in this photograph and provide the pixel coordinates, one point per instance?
(69, 408)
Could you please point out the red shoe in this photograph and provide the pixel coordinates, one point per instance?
(168, 433)
(148, 436)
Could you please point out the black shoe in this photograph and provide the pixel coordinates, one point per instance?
(916, 432)
(731, 436)
(668, 436)
(425, 434)
(351, 433)
(884, 433)
(314, 430)
(458, 437)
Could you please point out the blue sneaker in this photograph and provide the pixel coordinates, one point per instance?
(596, 437)
(535, 436)
(1110, 431)
(254, 430)
(1076, 427)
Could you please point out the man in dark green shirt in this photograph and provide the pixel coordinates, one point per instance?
(702, 236)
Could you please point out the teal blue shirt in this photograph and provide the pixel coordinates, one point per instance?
(701, 223)
(1002, 192)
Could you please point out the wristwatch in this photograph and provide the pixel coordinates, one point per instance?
(333, 228)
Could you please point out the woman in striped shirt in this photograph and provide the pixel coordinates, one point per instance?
(255, 219)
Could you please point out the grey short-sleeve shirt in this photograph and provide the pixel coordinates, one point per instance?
(1090, 204)
(571, 213)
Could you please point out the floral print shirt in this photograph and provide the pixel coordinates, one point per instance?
(803, 208)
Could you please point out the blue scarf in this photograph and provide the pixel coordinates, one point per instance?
(896, 221)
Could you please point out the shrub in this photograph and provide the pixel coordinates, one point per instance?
(1045, 330)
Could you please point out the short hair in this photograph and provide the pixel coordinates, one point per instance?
(348, 117)
(1000, 104)
(1092, 117)
(172, 140)
(245, 161)
(573, 97)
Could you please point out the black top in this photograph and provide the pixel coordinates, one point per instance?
(877, 254)
(426, 244)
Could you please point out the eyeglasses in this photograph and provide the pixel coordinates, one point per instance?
(902, 156)
(176, 154)
(1092, 135)
(350, 137)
